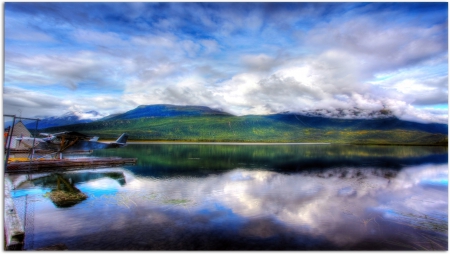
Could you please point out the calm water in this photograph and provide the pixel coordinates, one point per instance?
(246, 197)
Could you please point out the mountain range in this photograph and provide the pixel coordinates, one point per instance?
(165, 122)
(161, 110)
(66, 119)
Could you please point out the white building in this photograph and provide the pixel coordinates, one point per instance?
(20, 131)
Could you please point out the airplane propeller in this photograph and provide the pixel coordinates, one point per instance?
(20, 140)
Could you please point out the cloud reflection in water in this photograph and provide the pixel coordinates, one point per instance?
(340, 208)
(344, 205)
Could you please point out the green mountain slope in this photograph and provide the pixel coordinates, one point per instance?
(166, 110)
(228, 128)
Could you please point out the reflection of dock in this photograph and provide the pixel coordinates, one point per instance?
(67, 164)
(64, 193)
(42, 151)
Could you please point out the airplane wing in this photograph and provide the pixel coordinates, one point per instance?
(71, 135)
(30, 138)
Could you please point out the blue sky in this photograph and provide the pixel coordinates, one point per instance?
(243, 58)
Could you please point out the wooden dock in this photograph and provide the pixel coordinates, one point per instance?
(66, 164)
(13, 228)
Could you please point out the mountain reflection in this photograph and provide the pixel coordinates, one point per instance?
(169, 160)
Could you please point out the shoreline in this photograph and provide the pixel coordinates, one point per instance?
(221, 143)
(266, 143)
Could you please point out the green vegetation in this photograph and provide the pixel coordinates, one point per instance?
(63, 198)
(222, 128)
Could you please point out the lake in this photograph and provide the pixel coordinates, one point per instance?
(245, 197)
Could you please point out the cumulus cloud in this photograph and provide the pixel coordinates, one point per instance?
(98, 38)
(381, 48)
(46, 104)
(248, 58)
(210, 46)
(35, 103)
(258, 63)
(20, 31)
(67, 70)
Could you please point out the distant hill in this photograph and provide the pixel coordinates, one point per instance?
(109, 117)
(166, 110)
(378, 123)
(66, 119)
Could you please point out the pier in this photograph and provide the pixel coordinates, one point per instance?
(66, 164)
(13, 228)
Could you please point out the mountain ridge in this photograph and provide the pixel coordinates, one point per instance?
(383, 123)
(171, 110)
(68, 118)
(167, 110)
(163, 122)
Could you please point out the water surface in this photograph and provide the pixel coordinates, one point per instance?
(246, 197)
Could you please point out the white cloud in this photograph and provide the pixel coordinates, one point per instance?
(68, 70)
(85, 36)
(40, 104)
(191, 48)
(161, 41)
(258, 63)
(261, 62)
(381, 48)
(18, 29)
(211, 46)
(31, 103)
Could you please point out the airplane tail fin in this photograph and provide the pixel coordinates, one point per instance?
(94, 139)
(122, 139)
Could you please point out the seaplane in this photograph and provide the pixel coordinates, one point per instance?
(72, 141)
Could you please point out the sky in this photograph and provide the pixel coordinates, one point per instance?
(242, 58)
